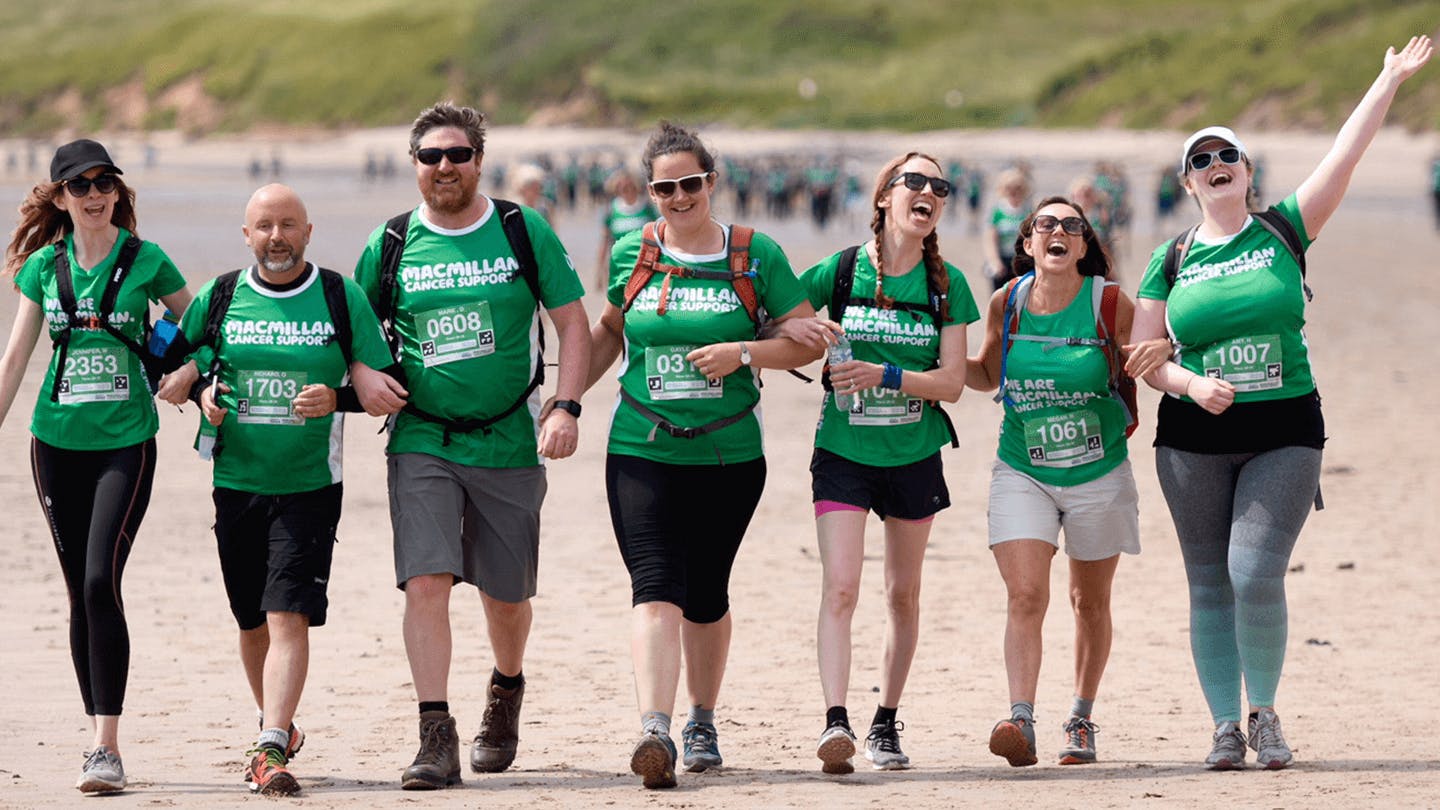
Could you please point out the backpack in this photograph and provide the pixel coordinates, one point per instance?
(741, 274)
(392, 247)
(840, 298)
(1271, 219)
(154, 366)
(1104, 300)
(222, 292)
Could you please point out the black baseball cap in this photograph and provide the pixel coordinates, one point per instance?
(77, 157)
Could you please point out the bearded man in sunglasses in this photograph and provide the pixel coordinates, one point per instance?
(458, 282)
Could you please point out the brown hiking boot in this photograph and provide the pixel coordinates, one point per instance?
(494, 746)
(437, 765)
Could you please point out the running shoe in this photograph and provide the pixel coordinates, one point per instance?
(297, 736)
(702, 747)
(1079, 741)
(1228, 751)
(102, 772)
(1014, 739)
(437, 764)
(267, 775)
(882, 747)
(837, 746)
(494, 746)
(654, 760)
(1270, 748)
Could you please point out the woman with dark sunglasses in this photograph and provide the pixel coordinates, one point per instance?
(686, 434)
(1062, 462)
(94, 423)
(904, 318)
(1239, 439)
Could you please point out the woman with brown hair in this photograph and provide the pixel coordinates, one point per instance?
(94, 423)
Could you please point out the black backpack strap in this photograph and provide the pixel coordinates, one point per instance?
(333, 285)
(1174, 253)
(512, 219)
(844, 283)
(1279, 225)
(222, 291)
(392, 247)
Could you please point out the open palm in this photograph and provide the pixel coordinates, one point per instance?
(1412, 58)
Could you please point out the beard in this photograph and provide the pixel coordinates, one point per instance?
(278, 265)
(451, 199)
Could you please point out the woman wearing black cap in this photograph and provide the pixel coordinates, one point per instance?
(94, 422)
(1238, 443)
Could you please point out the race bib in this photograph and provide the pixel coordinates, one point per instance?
(265, 397)
(1249, 363)
(455, 333)
(668, 375)
(1064, 440)
(100, 374)
(881, 406)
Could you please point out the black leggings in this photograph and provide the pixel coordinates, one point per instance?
(94, 501)
(679, 528)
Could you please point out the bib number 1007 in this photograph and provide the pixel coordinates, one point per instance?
(1248, 363)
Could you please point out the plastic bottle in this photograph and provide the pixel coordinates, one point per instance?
(164, 333)
(205, 442)
(840, 352)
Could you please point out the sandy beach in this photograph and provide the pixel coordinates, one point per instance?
(1358, 697)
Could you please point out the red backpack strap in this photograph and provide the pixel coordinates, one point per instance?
(1123, 384)
(1013, 324)
(742, 279)
(645, 263)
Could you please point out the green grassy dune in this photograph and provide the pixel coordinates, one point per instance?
(908, 64)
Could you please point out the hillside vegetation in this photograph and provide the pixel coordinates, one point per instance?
(910, 64)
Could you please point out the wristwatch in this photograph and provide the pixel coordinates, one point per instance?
(744, 354)
(569, 406)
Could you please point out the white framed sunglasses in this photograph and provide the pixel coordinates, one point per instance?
(1200, 161)
(690, 184)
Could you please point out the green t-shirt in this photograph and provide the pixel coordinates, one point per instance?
(620, 219)
(272, 344)
(699, 312)
(892, 428)
(469, 335)
(1006, 221)
(1062, 427)
(1238, 310)
(104, 402)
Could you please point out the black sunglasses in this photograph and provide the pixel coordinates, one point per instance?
(1202, 160)
(1075, 226)
(690, 184)
(80, 186)
(916, 181)
(456, 154)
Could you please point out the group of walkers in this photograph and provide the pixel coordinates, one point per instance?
(438, 331)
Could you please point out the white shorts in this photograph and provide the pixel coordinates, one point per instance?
(1101, 518)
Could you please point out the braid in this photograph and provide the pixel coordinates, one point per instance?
(935, 267)
(877, 224)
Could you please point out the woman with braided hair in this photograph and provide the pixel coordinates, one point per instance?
(904, 314)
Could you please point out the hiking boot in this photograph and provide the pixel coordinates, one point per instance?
(101, 773)
(493, 748)
(1014, 739)
(702, 748)
(1269, 744)
(297, 736)
(1228, 751)
(654, 760)
(1079, 741)
(882, 747)
(437, 765)
(837, 746)
(267, 775)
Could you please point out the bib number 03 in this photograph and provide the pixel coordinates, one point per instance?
(668, 375)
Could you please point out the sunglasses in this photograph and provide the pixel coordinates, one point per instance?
(80, 186)
(456, 154)
(690, 184)
(1202, 160)
(916, 181)
(1075, 226)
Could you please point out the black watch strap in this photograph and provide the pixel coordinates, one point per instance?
(569, 406)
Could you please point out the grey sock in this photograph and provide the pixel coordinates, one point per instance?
(699, 715)
(277, 738)
(1023, 711)
(655, 722)
(1081, 707)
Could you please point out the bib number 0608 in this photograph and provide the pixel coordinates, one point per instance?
(458, 323)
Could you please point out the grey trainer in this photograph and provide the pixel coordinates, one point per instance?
(102, 772)
(494, 746)
(882, 747)
(837, 746)
(653, 759)
(437, 764)
(1270, 748)
(1079, 741)
(1228, 751)
(702, 747)
(1014, 739)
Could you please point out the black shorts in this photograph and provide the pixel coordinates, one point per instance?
(909, 492)
(679, 528)
(275, 551)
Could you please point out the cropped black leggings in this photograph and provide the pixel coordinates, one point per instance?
(94, 501)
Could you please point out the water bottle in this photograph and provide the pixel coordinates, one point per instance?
(840, 352)
(205, 441)
(163, 333)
